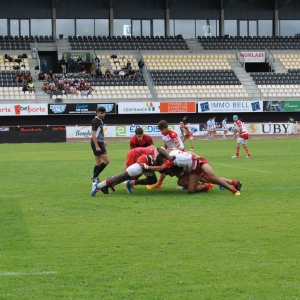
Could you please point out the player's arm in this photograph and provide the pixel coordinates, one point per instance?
(94, 138)
(154, 168)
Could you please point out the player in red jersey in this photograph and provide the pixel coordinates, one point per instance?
(197, 166)
(133, 169)
(140, 139)
(187, 134)
(243, 137)
(171, 141)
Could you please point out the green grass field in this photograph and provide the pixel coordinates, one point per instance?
(58, 242)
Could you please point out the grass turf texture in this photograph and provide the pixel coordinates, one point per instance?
(58, 242)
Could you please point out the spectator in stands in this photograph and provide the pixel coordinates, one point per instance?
(128, 65)
(19, 76)
(63, 65)
(107, 74)
(79, 62)
(31, 87)
(71, 65)
(138, 76)
(25, 88)
(66, 87)
(82, 69)
(93, 74)
(141, 65)
(52, 86)
(26, 78)
(44, 65)
(50, 75)
(122, 74)
(127, 74)
(41, 75)
(73, 90)
(131, 73)
(45, 86)
(98, 73)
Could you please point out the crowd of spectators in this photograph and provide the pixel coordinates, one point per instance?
(67, 84)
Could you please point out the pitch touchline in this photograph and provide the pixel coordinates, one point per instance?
(25, 274)
(10, 196)
(247, 169)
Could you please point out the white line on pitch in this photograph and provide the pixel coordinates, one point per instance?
(249, 169)
(26, 274)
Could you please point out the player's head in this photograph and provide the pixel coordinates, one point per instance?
(163, 127)
(235, 117)
(160, 159)
(225, 118)
(181, 124)
(139, 133)
(101, 112)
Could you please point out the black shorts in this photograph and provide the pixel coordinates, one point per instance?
(101, 146)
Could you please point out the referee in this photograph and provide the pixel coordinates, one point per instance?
(98, 145)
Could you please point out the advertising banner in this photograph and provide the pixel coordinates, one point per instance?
(253, 57)
(281, 105)
(123, 130)
(156, 107)
(24, 109)
(229, 106)
(80, 108)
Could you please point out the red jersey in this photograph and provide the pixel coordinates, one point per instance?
(134, 154)
(145, 142)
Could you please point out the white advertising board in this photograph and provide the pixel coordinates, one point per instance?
(229, 106)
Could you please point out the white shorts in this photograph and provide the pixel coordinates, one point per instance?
(136, 170)
(241, 141)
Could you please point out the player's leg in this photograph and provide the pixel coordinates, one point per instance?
(237, 148)
(102, 165)
(97, 161)
(112, 181)
(159, 183)
(192, 142)
(209, 173)
(184, 180)
(246, 148)
(150, 179)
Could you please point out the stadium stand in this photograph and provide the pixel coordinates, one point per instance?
(249, 42)
(194, 76)
(127, 43)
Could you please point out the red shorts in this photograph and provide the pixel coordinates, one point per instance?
(244, 136)
(198, 170)
(189, 136)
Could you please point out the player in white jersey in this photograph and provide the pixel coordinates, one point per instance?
(224, 127)
(243, 137)
(171, 141)
(196, 165)
(209, 125)
(187, 134)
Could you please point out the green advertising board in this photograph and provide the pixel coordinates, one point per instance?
(291, 105)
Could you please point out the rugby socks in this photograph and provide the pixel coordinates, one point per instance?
(233, 190)
(237, 150)
(247, 151)
(159, 182)
(234, 182)
(95, 169)
(133, 182)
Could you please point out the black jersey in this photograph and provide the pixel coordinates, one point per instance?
(97, 125)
